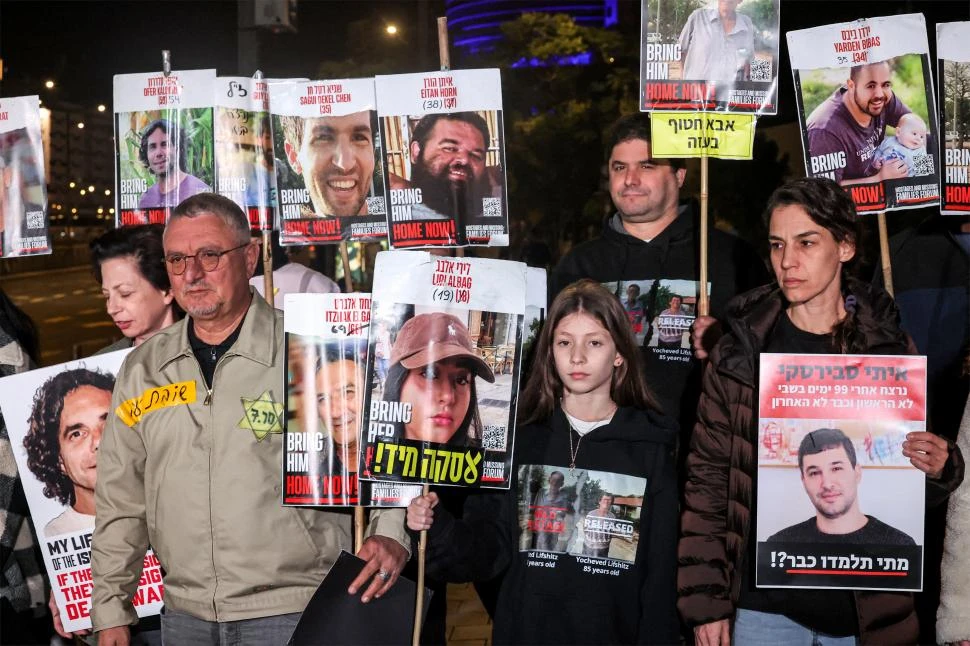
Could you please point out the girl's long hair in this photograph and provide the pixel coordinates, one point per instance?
(628, 386)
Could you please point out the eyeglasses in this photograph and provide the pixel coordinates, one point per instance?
(208, 259)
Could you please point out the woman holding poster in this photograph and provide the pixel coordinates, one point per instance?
(816, 308)
(586, 535)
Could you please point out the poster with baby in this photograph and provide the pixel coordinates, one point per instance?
(867, 109)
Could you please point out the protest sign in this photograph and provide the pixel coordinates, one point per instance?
(244, 169)
(164, 142)
(56, 454)
(326, 367)
(442, 409)
(953, 68)
(725, 136)
(867, 109)
(24, 224)
(445, 158)
(327, 161)
(704, 55)
(839, 506)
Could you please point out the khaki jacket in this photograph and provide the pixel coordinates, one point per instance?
(183, 469)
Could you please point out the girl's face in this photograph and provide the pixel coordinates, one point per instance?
(585, 354)
(137, 307)
(440, 395)
(805, 256)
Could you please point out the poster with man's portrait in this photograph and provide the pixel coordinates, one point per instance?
(55, 417)
(444, 363)
(24, 223)
(244, 169)
(839, 505)
(867, 110)
(444, 144)
(953, 70)
(326, 377)
(163, 143)
(328, 161)
(707, 55)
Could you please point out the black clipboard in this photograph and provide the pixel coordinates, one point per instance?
(333, 617)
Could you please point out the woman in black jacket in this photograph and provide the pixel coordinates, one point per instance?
(814, 233)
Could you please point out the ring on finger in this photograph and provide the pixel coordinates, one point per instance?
(383, 575)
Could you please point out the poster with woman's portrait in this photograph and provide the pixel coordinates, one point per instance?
(440, 405)
(868, 111)
(326, 376)
(55, 417)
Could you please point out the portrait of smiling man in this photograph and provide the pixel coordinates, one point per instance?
(851, 123)
(831, 477)
(163, 151)
(335, 157)
(66, 423)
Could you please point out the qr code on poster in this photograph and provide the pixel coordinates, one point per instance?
(375, 205)
(492, 207)
(35, 219)
(493, 437)
(922, 165)
(760, 70)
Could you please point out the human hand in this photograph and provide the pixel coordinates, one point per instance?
(716, 633)
(927, 452)
(385, 559)
(420, 514)
(115, 636)
(893, 169)
(58, 624)
(704, 335)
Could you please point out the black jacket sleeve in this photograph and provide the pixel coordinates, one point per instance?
(476, 547)
(658, 596)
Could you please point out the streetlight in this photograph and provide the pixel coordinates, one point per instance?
(391, 29)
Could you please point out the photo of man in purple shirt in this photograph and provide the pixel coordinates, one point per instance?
(162, 151)
(845, 130)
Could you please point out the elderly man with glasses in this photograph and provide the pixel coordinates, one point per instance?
(191, 456)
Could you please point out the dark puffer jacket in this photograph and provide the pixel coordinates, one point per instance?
(716, 522)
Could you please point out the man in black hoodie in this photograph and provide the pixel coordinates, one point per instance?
(652, 241)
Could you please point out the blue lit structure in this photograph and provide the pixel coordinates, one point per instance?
(475, 25)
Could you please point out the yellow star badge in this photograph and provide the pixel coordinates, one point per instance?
(263, 416)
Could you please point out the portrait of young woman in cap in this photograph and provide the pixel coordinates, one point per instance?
(433, 370)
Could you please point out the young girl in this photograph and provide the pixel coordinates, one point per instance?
(587, 533)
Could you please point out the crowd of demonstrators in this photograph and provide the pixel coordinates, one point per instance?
(815, 307)
(624, 357)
